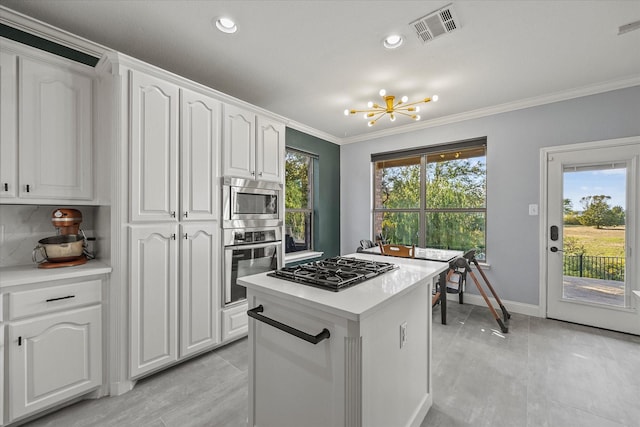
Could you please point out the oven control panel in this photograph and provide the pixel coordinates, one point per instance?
(247, 237)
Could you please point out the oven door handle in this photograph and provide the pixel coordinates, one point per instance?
(313, 339)
(254, 246)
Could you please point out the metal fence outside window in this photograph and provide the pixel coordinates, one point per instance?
(595, 267)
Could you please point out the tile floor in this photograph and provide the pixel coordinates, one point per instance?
(543, 373)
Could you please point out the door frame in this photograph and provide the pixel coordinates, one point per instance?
(543, 220)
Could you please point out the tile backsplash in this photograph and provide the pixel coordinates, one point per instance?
(21, 226)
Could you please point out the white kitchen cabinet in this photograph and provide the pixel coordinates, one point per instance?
(199, 290)
(270, 150)
(54, 343)
(53, 358)
(154, 148)
(46, 129)
(235, 322)
(153, 297)
(55, 132)
(253, 146)
(1, 372)
(8, 125)
(200, 148)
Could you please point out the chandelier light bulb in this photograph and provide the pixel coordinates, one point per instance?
(405, 98)
(434, 98)
(417, 117)
(371, 123)
(417, 109)
(370, 104)
(346, 112)
(392, 117)
(383, 92)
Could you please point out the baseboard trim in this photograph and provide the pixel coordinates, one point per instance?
(511, 306)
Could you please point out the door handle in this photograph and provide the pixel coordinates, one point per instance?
(554, 249)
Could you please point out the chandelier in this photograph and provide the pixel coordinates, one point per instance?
(391, 107)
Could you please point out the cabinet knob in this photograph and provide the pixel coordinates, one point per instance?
(260, 174)
(173, 236)
(6, 186)
(186, 214)
(173, 214)
(253, 173)
(186, 236)
(19, 340)
(28, 188)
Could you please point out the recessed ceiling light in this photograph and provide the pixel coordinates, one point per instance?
(393, 41)
(226, 25)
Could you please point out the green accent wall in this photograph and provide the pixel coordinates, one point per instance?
(326, 189)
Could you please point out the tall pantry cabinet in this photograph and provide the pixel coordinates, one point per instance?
(168, 216)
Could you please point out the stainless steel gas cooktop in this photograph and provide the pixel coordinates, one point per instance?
(334, 274)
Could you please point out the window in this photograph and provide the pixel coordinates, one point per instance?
(298, 201)
(432, 197)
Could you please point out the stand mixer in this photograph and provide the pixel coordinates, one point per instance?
(67, 248)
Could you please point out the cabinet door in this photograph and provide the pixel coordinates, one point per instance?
(154, 148)
(8, 126)
(199, 287)
(239, 143)
(153, 297)
(54, 358)
(200, 144)
(1, 374)
(270, 150)
(55, 132)
(235, 322)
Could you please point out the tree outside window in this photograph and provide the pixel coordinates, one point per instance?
(298, 201)
(433, 199)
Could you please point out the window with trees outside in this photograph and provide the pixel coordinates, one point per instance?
(432, 197)
(298, 201)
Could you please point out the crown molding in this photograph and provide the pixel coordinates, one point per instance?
(313, 132)
(594, 89)
(46, 31)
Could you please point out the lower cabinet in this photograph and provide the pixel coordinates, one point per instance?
(235, 322)
(172, 316)
(1, 372)
(53, 358)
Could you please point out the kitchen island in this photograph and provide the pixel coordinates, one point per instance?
(371, 361)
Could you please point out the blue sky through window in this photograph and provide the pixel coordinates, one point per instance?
(610, 182)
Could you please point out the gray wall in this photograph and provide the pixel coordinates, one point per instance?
(327, 190)
(514, 140)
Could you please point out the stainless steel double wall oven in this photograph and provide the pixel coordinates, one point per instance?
(252, 218)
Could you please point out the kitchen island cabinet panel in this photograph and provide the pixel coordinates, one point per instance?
(153, 297)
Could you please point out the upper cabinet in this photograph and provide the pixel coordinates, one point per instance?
(200, 147)
(46, 140)
(8, 125)
(253, 146)
(167, 120)
(154, 148)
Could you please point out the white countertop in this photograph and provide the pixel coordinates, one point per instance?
(24, 274)
(358, 301)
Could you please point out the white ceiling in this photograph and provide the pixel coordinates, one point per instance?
(309, 60)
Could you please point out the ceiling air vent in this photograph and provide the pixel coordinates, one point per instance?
(435, 24)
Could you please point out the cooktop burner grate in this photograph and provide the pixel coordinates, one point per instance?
(335, 273)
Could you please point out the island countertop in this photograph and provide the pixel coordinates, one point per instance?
(358, 301)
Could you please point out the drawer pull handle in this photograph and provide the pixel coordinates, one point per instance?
(19, 340)
(6, 186)
(28, 188)
(313, 339)
(59, 298)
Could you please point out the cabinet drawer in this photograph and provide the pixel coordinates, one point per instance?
(46, 300)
